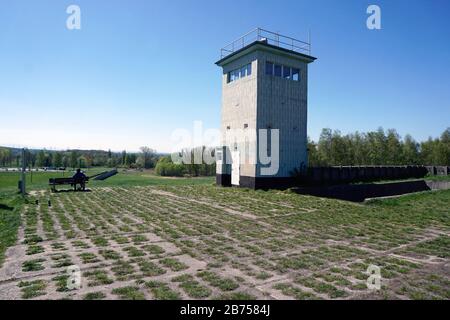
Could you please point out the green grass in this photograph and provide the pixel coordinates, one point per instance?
(58, 246)
(121, 239)
(438, 178)
(289, 290)
(150, 269)
(9, 221)
(33, 265)
(173, 264)
(110, 254)
(192, 287)
(94, 296)
(321, 287)
(235, 296)
(195, 290)
(161, 291)
(97, 278)
(100, 242)
(34, 250)
(321, 247)
(80, 244)
(153, 249)
(224, 284)
(123, 270)
(61, 282)
(149, 179)
(88, 257)
(439, 247)
(39, 180)
(134, 252)
(32, 289)
(129, 293)
(139, 238)
(32, 239)
(61, 260)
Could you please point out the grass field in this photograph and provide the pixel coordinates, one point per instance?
(39, 180)
(138, 236)
(9, 222)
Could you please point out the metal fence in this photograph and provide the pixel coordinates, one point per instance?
(269, 37)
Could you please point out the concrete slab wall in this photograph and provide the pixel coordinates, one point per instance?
(239, 103)
(282, 104)
(438, 170)
(338, 175)
(360, 192)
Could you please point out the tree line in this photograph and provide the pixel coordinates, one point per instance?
(377, 148)
(166, 167)
(146, 158)
(380, 147)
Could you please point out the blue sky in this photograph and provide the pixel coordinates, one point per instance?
(137, 70)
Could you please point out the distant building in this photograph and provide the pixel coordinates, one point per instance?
(264, 86)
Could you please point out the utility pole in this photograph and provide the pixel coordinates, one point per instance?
(23, 190)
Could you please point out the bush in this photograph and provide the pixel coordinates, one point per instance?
(165, 167)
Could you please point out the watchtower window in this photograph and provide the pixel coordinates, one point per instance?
(269, 68)
(242, 72)
(295, 74)
(286, 72)
(277, 70)
(283, 71)
(246, 70)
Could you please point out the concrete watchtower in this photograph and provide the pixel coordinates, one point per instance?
(264, 88)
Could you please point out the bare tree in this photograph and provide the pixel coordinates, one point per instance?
(147, 156)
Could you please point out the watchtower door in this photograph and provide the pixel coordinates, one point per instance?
(235, 158)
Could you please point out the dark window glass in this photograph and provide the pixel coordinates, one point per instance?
(286, 72)
(245, 125)
(269, 68)
(243, 71)
(277, 70)
(239, 73)
(295, 74)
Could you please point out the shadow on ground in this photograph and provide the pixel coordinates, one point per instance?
(360, 192)
(5, 207)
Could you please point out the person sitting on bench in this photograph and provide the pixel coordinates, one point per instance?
(80, 178)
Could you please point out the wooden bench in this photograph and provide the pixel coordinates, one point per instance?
(53, 182)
